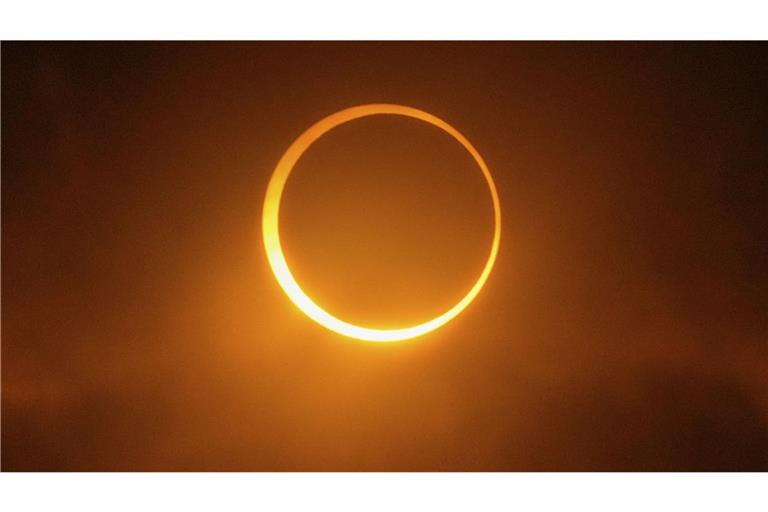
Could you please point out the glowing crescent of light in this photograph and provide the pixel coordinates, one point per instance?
(272, 235)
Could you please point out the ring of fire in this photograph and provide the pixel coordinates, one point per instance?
(271, 232)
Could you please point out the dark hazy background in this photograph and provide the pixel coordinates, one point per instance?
(624, 327)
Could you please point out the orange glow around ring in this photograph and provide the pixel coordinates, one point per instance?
(271, 232)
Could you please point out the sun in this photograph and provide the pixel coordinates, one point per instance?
(271, 232)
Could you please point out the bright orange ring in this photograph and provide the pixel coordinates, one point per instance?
(272, 235)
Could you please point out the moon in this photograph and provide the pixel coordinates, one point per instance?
(271, 232)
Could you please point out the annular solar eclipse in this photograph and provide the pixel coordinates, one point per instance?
(271, 231)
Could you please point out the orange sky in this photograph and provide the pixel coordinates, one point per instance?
(623, 326)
